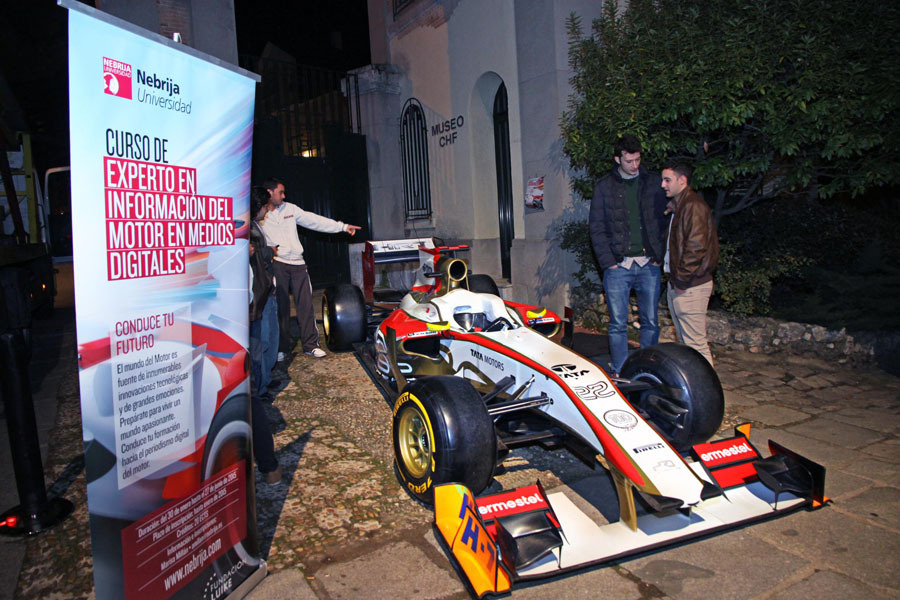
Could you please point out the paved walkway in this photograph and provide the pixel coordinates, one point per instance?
(339, 526)
(51, 371)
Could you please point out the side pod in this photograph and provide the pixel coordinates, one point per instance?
(460, 526)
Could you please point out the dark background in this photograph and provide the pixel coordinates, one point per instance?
(326, 33)
(33, 54)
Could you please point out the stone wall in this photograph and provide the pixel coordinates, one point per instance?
(768, 336)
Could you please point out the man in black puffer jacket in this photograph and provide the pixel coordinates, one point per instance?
(628, 236)
(263, 336)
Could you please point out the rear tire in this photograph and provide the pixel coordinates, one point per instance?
(343, 316)
(682, 379)
(442, 433)
(483, 284)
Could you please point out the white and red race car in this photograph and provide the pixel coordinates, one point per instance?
(472, 375)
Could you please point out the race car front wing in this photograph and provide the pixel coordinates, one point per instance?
(525, 534)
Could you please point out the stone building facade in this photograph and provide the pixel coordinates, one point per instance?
(461, 110)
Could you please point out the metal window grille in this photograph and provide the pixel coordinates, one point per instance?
(307, 100)
(414, 159)
(504, 178)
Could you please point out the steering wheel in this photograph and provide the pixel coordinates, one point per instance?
(499, 324)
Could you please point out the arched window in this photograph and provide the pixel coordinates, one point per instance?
(414, 159)
(504, 179)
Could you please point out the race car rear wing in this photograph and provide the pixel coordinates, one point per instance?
(364, 256)
(524, 534)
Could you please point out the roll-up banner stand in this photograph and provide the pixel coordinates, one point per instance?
(160, 154)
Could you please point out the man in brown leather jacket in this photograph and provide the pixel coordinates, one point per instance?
(691, 258)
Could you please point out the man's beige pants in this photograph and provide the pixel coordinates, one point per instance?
(688, 310)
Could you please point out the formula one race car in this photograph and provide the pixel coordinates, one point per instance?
(474, 375)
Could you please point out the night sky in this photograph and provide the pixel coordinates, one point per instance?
(326, 33)
(33, 61)
(329, 33)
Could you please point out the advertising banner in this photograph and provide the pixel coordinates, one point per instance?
(160, 149)
(534, 193)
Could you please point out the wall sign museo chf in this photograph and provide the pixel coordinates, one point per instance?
(447, 130)
(160, 145)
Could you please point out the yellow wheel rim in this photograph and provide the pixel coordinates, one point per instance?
(326, 320)
(414, 441)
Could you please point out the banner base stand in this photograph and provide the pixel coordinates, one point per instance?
(19, 521)
(250, 583)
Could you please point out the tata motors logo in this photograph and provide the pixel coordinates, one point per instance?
(116, 78)
(569, 371)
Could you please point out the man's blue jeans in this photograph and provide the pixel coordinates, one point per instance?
(263, 347)
(646, 282)
(263, 351)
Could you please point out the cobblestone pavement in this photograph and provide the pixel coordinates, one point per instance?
(339, 526)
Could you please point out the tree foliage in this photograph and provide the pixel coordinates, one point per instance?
(834, 263)
(765, 97)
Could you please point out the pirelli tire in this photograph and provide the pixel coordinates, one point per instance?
(686, 403)
(442, 433)
(483, 284)
(343, 316)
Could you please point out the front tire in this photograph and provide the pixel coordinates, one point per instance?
(442, 433)
(686, 404)
(343, 316)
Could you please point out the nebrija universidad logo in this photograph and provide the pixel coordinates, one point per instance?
(116, 78)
